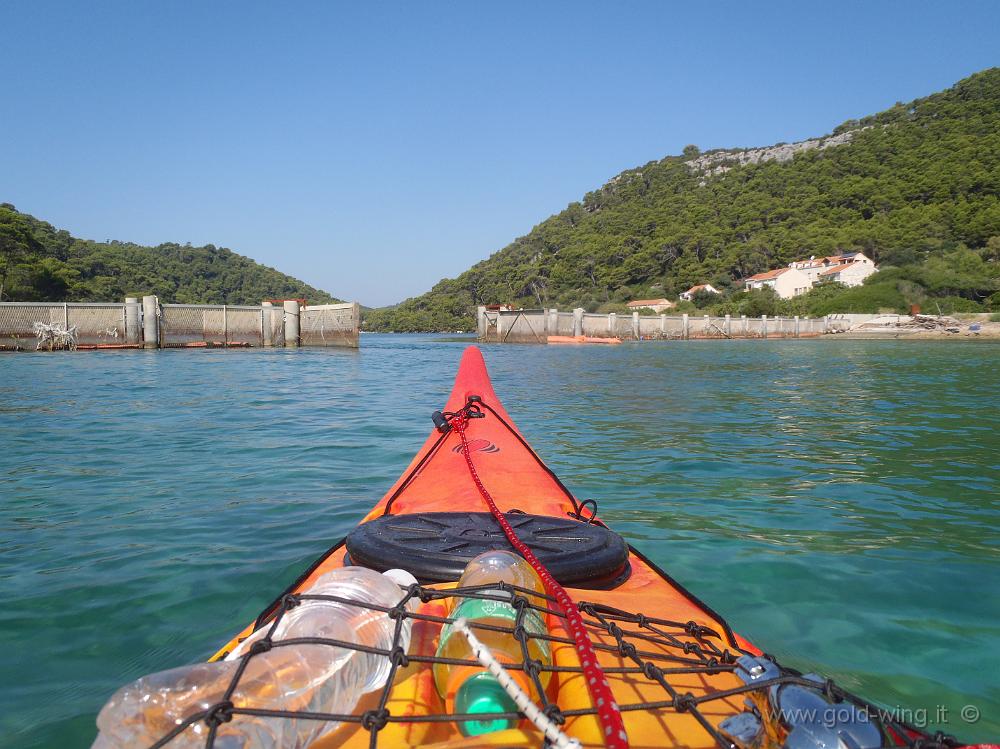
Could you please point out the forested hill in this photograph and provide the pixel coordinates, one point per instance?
(41, 263)
(915, 187)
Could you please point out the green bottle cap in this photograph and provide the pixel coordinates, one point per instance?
(482, 693)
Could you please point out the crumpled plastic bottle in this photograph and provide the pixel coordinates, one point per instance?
(304, 677)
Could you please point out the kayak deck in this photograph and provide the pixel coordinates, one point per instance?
(649, 664)
(670, 660)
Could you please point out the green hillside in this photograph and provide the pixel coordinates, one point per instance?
(40, 263)
(914, 187)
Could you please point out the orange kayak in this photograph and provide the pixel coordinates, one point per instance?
(679, 674)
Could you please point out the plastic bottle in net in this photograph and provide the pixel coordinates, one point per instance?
(473, 689)
(313, 678)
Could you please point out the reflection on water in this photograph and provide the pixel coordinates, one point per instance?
(836, 500)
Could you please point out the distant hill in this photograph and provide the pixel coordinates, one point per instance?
(41, 263)
(914, 187)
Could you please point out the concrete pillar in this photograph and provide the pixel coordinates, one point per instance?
(481, 322)
(663, 324)
(686, 331)
(612, 322)
(552, 322)
(826, 323)
(635, 326)
(796, 326)
(763, 326)
(578, 321)
(266, 324)
(746, 326)
(150, 322)
(708, 323)
(727, 326)
(133, 332)
(291, 308)
(225, 325)
(355, 337)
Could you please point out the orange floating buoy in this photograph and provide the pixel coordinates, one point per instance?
(581, 339)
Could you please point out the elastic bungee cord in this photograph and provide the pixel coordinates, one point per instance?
(603, 699)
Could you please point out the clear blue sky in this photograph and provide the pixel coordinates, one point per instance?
(372, 149)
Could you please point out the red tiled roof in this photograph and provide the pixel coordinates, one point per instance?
(836, 269)
(767, 275)
(837, 259)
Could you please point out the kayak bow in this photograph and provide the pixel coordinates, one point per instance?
(678, 672)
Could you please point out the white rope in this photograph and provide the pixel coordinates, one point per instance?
(511, 687)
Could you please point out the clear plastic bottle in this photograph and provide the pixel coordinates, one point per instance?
(472, 689)
(317, 678)
(501, 566)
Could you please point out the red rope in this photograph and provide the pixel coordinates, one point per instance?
(597, 684)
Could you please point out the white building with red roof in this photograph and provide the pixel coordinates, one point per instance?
(657, 305)
(786, 282)
(706, 287)
(811, 267)
(849, 274)
(823, 268)
(848, 268)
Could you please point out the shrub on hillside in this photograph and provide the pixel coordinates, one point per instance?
(759, 302)
(703, 299)
(876, 297)
(948, 305)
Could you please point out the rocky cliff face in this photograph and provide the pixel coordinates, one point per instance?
(714, 163)
(719, 162)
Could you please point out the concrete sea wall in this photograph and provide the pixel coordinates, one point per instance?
(34, 326)
(535, 326)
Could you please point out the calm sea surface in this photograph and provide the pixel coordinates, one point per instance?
(838, 501)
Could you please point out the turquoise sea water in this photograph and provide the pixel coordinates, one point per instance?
(837, 501)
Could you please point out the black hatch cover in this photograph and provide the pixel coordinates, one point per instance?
(436, 546)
